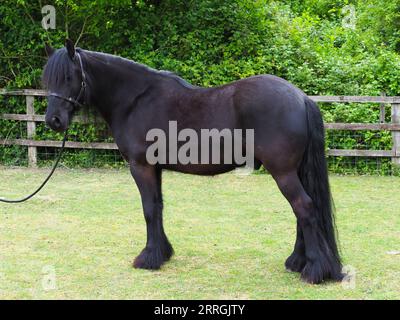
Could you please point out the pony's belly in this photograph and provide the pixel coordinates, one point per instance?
(200, 169)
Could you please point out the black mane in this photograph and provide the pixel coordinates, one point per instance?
(60, 64)
(140, 66)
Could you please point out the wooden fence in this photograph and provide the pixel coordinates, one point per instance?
(394, 126)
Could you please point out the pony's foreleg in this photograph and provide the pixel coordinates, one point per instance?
(158, 249)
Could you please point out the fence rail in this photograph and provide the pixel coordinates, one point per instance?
(394, 126)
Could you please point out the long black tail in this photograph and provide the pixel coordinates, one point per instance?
(313, 174)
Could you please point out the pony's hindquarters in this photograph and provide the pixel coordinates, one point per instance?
(307, 189)
(290, 145)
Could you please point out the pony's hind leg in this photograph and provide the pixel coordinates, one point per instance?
(320, 263)
(158, 249)
(297, 260)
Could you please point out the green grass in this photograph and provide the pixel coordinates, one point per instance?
(231, 236)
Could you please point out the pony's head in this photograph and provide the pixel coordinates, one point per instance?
(63, 77)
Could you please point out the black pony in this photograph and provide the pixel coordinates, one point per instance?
(133, 99)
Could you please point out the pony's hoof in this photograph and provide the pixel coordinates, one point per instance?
(295, 262)
(312, 273)
(153, 258)
(148, 259)
(316, 273)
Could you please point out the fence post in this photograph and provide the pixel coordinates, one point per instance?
(31, 130)
(382, 110)
(396, 135)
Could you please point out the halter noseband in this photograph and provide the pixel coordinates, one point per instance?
(75, 102)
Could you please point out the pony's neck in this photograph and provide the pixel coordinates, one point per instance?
(109, 78)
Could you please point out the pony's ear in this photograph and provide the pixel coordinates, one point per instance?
(70, 48)
(49, 50)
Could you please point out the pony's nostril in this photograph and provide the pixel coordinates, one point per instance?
(56, 122)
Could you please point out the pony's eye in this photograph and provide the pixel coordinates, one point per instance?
(68, 78)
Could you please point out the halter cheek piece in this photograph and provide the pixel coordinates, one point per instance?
(75, 102)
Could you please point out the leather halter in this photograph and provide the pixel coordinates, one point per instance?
(75, 102)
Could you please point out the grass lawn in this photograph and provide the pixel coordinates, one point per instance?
(231, 235)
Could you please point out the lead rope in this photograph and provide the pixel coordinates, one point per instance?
(46, 180)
